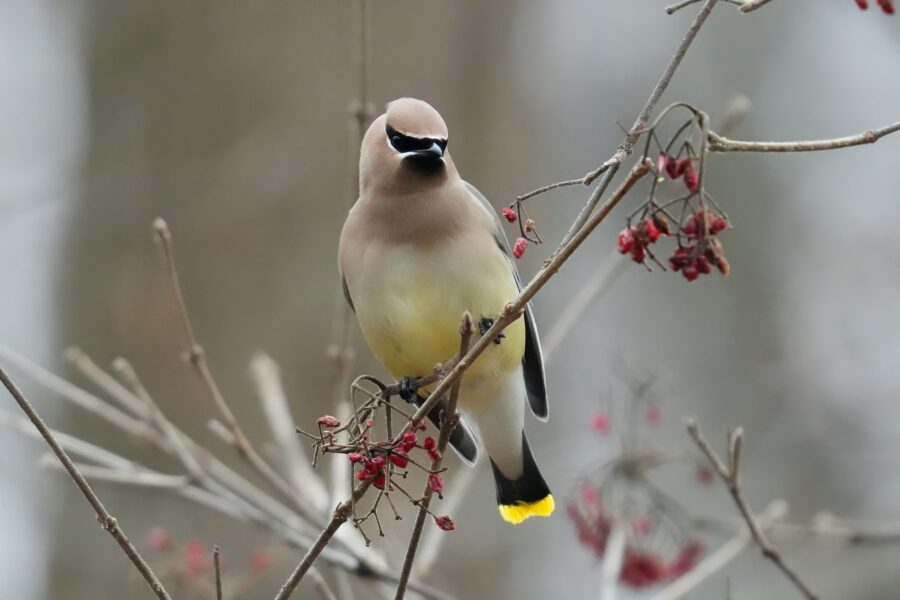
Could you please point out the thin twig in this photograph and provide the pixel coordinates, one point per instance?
(430, 547)
(730, 476)
(448, 423)
(685, 3)
(217, 567)
(718, 143)
(751, 5)
(107, 521)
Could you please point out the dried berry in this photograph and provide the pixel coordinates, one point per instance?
(519, 247)
(510, 214)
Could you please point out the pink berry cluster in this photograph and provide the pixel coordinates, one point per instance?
(651, 556)
(887, 6)
(636, 240)
(703, 251)
(678, 168)
(379, 463)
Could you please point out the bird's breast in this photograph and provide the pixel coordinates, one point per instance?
(410, 301)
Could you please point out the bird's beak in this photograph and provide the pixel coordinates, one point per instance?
(433, 153)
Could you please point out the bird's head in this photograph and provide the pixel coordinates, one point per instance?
(407, 145)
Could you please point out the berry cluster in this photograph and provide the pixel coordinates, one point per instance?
(382, 463)
(678, 168)
(887, 6)
(636, 240)
(703, 252)
(653, 554)
(192, 562)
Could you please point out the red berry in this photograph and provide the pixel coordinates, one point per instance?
(718, 225)
(887, 6)
(355, 457)
(600, 423)
(691, 179)
(379, 481)
(429, 443)
(672, 168)
(626, 240)
(690, 272)
(510, 214)
(638, 253)
(159, 540)
(651, 230)
(328, 421)
(862, 4)
(519, 247)
(436, 483)
(680, 258)
(398, 457)
(682, 166)
(703, 265)
(445, 523)
(260, 561)
(434, 454)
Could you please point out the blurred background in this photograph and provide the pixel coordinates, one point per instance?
(229, 119)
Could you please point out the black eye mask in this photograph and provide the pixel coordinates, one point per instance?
(404, 143)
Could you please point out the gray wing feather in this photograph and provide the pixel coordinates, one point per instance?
(533, 360)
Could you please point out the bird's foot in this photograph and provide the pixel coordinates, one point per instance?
(486, 323)
(408, 388)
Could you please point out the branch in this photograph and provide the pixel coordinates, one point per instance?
(718, 143)
(107, 521)
(730, 475)
(448, 423)
(217, 567)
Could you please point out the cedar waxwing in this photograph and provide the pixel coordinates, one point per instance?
(419, 248)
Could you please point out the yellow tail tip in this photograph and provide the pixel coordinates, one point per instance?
(516, 513)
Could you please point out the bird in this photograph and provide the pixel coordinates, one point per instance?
(418, 249)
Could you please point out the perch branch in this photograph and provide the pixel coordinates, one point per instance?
(448, 423)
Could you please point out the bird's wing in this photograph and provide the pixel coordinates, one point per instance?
(533, 360)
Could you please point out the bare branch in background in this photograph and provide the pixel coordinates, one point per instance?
(729, 472)
(612, 562)
(275, 407)
(718, 560)
(717, 143)
(107, 521)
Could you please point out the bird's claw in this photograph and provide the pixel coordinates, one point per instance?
(486, 323)
(408, 389)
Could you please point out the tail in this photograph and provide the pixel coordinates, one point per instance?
(527, 496)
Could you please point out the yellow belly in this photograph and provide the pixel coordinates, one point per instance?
(410, 314)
